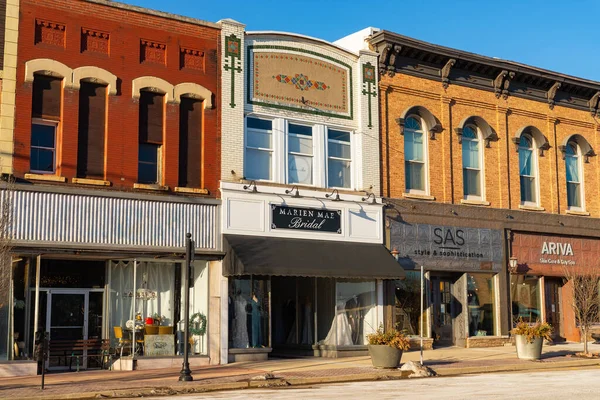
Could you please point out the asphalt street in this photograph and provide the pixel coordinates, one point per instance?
(569, 384)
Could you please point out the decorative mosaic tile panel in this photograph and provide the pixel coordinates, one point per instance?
(50, 33)
(300, 80)
(153, 52)
(94, 41)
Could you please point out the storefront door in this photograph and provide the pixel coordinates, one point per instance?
(443, 310)
(553, 316)
(70, 315)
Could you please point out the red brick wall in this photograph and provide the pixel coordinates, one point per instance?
(126, 28)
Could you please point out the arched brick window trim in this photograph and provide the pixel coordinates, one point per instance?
(49, 67)
(154, 84)
(487, 131)
(95, 75)
(193, 90)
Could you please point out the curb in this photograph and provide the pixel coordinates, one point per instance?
(530, 366)
(282, 382)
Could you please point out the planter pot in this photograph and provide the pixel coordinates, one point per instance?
(528, 351)
(383, 356)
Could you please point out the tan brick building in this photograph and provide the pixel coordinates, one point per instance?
(483, 160)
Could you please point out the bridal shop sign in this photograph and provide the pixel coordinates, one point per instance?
(306, 219)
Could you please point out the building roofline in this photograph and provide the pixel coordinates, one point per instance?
(156, 13)
(303, 37)
(387, 36)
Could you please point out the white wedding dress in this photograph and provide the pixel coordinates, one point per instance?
(340, 328)
(240, 329)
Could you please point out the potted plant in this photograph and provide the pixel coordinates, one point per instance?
(529, 338)
(385, 348)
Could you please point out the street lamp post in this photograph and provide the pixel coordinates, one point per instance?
(186, 373)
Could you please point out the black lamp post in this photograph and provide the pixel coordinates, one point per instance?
(186, 373)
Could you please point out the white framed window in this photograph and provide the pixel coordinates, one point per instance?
(528, 171)
(339, 159)
(472, 159)
(415, 156)
(259, 149)
(574, 177)
(43, 146)
(149, 163)
(300, 154)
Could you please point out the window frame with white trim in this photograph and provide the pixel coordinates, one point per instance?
(574, 155)
(474, 139)
(294, 141)
(534, 176)
(54, 149)
(424, 162)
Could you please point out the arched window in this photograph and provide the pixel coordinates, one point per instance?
(574, 176)
(528, 170)
(415, 156)
(472, 163)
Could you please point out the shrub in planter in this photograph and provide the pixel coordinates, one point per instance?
(386, 347)
(529, 338)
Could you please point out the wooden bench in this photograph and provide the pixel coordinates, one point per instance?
(78, 349)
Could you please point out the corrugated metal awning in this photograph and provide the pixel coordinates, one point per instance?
(259, 255)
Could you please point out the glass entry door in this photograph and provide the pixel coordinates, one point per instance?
(443, 310)
(68, 316)
(553, 316)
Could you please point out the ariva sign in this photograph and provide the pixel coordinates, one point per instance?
(307, 219)
(557, 249)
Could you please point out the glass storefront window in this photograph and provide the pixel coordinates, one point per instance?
(407, 303)
(525, 298)
(481, 304)
(356, 313)
(248, 312)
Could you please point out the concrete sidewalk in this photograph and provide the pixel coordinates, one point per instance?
(304, 371)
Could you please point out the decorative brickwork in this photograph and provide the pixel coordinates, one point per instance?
(94, 41)
(50, 33)
(153, 52)
(192, 59)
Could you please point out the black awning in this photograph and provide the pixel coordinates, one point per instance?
(258, 255)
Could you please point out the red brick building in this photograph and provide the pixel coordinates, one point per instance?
(116, 157)
(109, 80)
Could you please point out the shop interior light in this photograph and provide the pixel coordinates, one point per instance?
(251, 187)
(370, 196)
(337, 195)
(296, 195)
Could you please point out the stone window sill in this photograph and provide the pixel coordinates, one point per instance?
(531, 208)
(44, 177)
(575, 212)
(91, 182)
(418, 196)
(153, 187)
(187, 190)
(475, 202)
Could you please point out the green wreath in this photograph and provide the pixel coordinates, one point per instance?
(198, 324)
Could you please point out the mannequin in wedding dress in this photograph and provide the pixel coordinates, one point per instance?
(340, 328)
(240, 329)
(307, 332)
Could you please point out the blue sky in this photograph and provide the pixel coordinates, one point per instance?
(552, 34)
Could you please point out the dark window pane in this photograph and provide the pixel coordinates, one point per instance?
(42, 160)
(338, 135)
(300, 129)
(148, 153)
(256, 123)
(147, 173)
(148, 163)
(42, 135)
